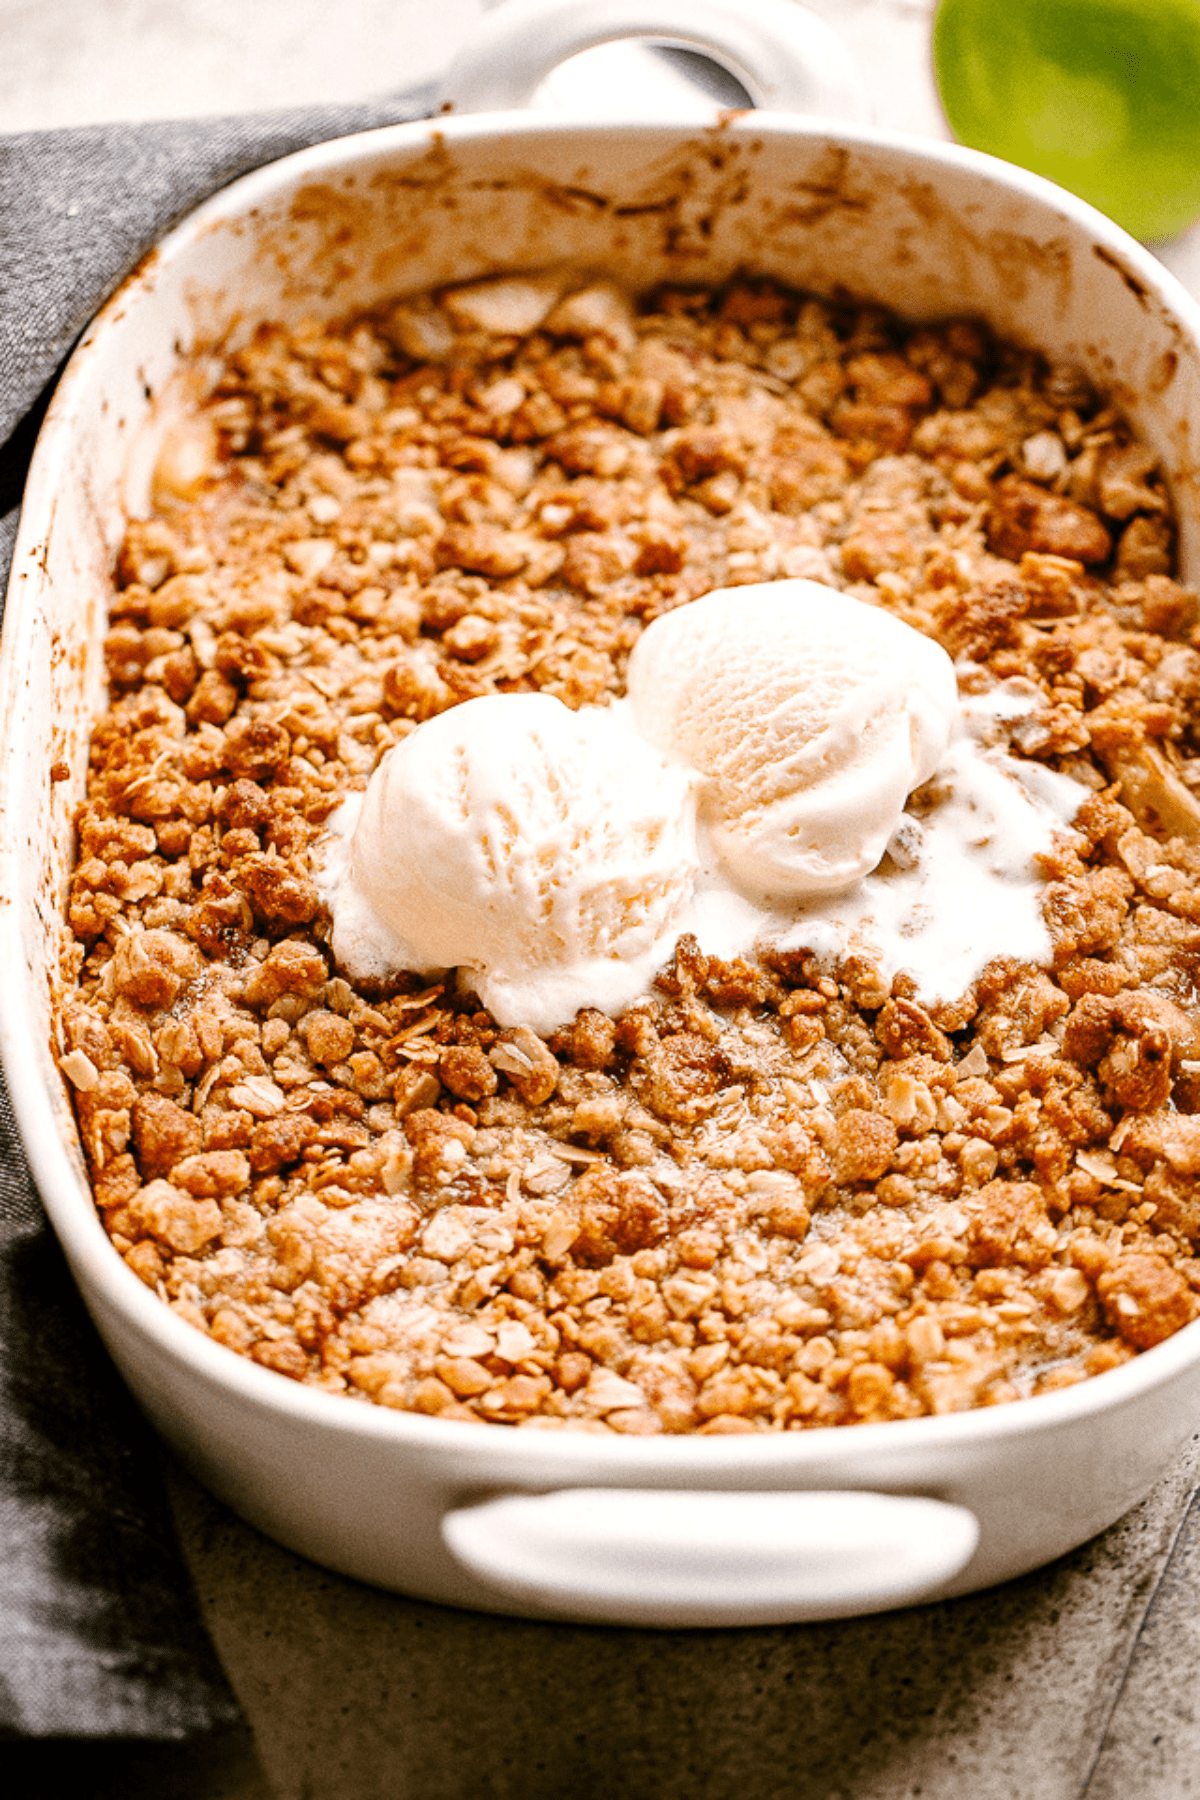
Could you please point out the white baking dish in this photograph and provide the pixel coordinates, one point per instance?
(665, 1531)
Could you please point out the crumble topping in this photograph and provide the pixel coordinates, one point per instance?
(774, 1194)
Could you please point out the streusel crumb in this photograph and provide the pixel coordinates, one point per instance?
(774, 1194)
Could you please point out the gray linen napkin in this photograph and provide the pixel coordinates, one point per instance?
(100, 1635)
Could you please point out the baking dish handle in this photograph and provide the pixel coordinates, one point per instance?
(784, 56)
(690, 1557)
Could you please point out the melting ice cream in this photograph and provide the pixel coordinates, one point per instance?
(811, 717)
(551, 855)
(752, 790)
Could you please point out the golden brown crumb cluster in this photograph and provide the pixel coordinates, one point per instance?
(770, 1196)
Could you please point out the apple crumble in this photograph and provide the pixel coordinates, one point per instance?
(777, 1192)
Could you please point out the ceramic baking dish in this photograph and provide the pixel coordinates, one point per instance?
(660, 1531)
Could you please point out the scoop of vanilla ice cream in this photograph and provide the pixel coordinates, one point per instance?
(548, 853)
(812, 717)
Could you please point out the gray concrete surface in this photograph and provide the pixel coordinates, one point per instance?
(1074, 1682)
(83, 62)
(1077, 1683)
(1151, 1745)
